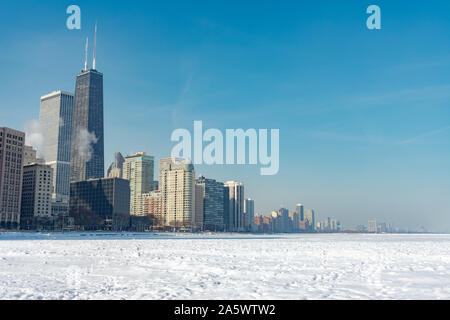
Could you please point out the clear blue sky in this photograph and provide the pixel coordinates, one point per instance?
(364, 116)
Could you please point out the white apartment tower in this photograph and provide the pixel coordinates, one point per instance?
(138, 169)
(372, 226)
(177, 186)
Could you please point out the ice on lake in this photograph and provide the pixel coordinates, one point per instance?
(223, 266)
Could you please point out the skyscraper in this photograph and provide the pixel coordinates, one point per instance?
(87, 153)
(213, 203)
(300, 211)
(138, 169)
(226, 209)
(310, 217)
(236, 200)
(199, 207)
(295, 217)
(56, 117)
(115, 169)
(283, 215)
(11, 170)
(249, 209)
(177, 186)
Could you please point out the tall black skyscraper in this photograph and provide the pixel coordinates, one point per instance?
(87, 154)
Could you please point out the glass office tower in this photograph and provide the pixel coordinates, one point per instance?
(56, 117)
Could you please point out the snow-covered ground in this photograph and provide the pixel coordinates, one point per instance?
(222, 266)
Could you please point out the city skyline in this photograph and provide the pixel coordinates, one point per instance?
(380, 153)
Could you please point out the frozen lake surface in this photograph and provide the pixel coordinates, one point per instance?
(223, 266)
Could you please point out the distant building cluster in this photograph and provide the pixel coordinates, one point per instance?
(374, 227)
(66, 188)
(296, 221)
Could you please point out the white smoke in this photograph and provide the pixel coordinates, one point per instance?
(84, 143)
(34, 137)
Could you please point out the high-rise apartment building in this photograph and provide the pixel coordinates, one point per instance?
(11, 170)
(300, 210)
(138, 169)
(310, 217)
(283, 216)
(249, 211)
(56, 116)
(177, 186)
(87, 152)
(226, 209)
(295, 217)
(213, 203)
(37, 190)
(236, 203)
(100, 204)
(199, 206)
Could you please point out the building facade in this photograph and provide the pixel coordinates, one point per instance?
(87, 150)
(37, 188)
(151, 204)
(300, 210)
(310, 217)
(249, 210)
(11, 172)
(213, 204)
(283, 220)
(372, 226)
(199, 207)
(236, 205)
(226, 209)
(100, 204)
(138, 169)
(177, 186)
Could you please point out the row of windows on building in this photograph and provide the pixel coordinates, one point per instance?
(13, 142)
(13, 148)
(12, 136)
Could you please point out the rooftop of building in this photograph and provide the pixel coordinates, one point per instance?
(138, 155)
(57, 93)
(83, 72)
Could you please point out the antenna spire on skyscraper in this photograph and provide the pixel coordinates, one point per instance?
(85, 59)
(95, 45)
